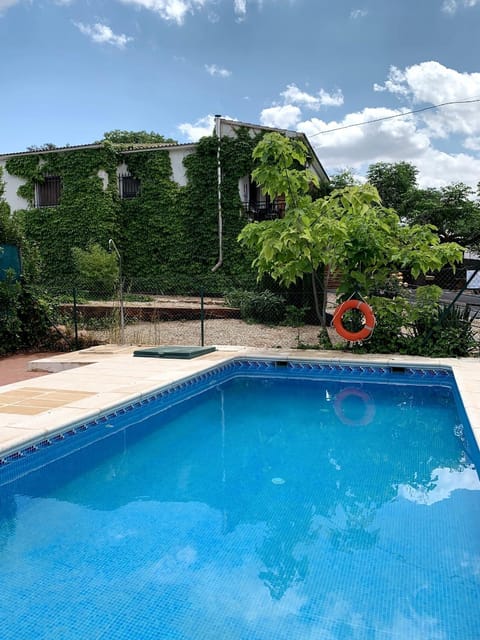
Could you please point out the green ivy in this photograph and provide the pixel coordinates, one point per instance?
(200, 212)
(168, 235)
(86, 214)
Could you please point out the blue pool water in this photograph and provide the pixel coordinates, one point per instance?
(262, 502)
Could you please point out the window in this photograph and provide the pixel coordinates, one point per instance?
(129, 187)
(260, 206)
(48, 192)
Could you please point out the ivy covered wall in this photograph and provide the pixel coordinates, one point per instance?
(167, 235)
(87, 212)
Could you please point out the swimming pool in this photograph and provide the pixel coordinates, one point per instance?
(262, 499)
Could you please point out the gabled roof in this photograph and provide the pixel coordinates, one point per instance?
(122, 148)
(287, 132)
(149, 146)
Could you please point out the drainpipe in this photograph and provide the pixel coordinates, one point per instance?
(113, 247)
(218, 131)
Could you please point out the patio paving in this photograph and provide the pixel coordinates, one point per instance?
(86, 383)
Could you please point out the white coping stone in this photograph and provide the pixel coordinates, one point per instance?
(115, 378)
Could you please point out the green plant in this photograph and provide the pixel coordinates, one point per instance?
(10, 324)
(97, 269)
(87, 212)
(235, 297)
(447, 332)
(263, 306)
(423, 327)
(294, 317)
(137, 297)
(392, 316)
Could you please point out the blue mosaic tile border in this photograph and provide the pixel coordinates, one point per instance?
(179, 391)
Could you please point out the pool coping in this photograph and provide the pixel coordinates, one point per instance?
(100, 379)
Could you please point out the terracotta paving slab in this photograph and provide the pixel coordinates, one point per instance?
(31, 401)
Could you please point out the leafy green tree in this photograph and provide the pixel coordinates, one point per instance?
(343, 179)
(285, 247)
(452, 210)
(349, 231)
(117, 136)
(47, 146)
(395, 182)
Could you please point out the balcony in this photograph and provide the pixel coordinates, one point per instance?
(265, 209)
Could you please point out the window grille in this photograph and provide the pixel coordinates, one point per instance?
(129, 187)
(48, 192)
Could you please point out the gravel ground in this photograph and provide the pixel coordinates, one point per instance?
(217, 332)
(221, 332)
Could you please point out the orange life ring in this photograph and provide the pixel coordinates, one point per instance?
(368, 412)
(368, 327)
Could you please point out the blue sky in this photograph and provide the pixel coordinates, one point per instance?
(73, 69)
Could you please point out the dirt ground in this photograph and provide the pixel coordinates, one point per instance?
(14, 368)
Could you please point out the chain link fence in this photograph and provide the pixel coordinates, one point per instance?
(141, 313)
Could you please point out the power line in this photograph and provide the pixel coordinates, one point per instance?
(397, 115)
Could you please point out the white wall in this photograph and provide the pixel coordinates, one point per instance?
(103, 175)
(177, 157)
(12, 183)
(244, 189)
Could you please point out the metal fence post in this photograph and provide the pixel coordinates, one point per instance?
(75, 317)
(202, 318)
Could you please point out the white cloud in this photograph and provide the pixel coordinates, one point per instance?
(399, 139)
(355, 14)
(472, 143)
(443, 483)
(202, 127)
(399, 135)
(451, 6)
(294, 95)
(395, 83)
(285, 117)
(170, 10)
(199, 129)
(214, 70)
(357, 145)
(240, 7)
(6, 4)
(438, 168)
(102, 34)
(432, 83)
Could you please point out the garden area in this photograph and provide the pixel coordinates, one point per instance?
(332, 246)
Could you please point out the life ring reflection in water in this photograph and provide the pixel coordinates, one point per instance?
(354, 407)
(354, 336)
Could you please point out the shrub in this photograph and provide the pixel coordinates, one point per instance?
(97, 269)
(295, 316)
(10, 324)
(263, 306)
(392, 315)
(24, 317)
(423, 327)
(448, 332)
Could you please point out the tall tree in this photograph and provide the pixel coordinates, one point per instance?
(395, 182)
(118, 136)
(349, 231)
(452, 210)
